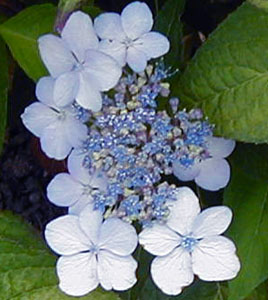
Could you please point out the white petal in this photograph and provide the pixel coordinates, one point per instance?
(108, 26)
(159, 239)
(65, 237)
(97, 65)
(183, 173)
(37, 117)
(172, 272)
(75, 166)
(44, 90)
(99, 180)
(66, 88)
(77, 274)
(75, 131)
(78, 207)
(88, 95)
(63, 190)
(214, 174)
(136, 59)
(55, 55)
(212, 221)
(220, 147)
(137, 19)
(153, 44)
(116, 272)
(79, 34)
(54, 141)
(90, 221)
(115, 49)
(118, 237)
(214, 259)
(183, 211)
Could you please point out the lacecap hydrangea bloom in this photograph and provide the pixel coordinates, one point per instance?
(59, 128)
(210, 162)
(122, 151)
(75, 189)
(92, 252)
(128, 37)
(190, 243)
(79, 69)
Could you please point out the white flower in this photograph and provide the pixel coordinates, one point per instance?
(58, 128)
(75, 189)
(128, 38)
(92, 252)
(81, 71)
(190, 243)
(212, 173)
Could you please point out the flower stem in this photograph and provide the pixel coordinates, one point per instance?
(65, 8)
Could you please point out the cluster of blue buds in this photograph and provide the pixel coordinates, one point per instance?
(135, 145)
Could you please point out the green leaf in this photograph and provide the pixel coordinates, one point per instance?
(150, 291)
(168, 22)
(247, 196)
(91, 10)
(260, 293)
(3, 91)
(257, 165)
(27, 268)
(200, 290)
(228, 75)
(259, 3)
(21, 33)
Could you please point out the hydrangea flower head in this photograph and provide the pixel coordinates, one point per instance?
(59, 128)
(190, 243)
(92, 252)
(128, 38)
(80, 70)
(212, 171)
(123, 152)
(134, 145)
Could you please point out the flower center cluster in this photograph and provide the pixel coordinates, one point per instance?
(128, 42)
(94, 249)
(62, 115)
(188, 243)
(87, 190)
(78, 66)
(136, 145)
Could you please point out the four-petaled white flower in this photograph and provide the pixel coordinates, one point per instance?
(128, 38)
(57, 127)
(212, 173)
(93, 252)
(80, 70)
(75, 189)
(190, 243)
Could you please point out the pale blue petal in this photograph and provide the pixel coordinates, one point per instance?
(79, 34)
(77, 274)
(153, 44)
(136, 59)
(137, 19)
(55, 54)
(214, 174)
(97, 65)
(116, 272)
(108, 26)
